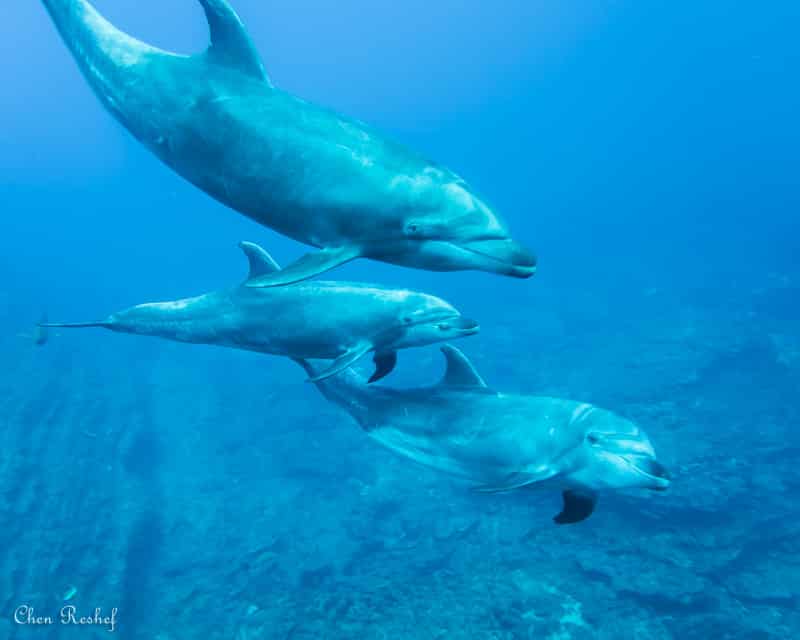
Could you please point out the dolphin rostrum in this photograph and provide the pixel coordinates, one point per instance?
(304, 171)
(317, 319)
(501, 441)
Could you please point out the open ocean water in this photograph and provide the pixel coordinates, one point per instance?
(647, 151)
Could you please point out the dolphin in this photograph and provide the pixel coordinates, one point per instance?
(502, 442)
(302, 170)
(334, 320)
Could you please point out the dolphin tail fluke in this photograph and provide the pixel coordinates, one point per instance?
(42, 333)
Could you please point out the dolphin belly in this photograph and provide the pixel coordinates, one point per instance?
(424, 451)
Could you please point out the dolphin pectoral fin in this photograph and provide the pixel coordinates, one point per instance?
(512, 481)
(342, 362)
(261, 263)
(230, 42)
(490, 489)
(578, 505)
(384, 364)
(459, 372)
(308, 266)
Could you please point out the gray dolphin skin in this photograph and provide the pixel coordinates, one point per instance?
(500, 441)
(304, 171)
(331, 320)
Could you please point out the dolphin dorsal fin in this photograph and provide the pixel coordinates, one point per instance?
(459, 372)
(261, 263)
(230, 42)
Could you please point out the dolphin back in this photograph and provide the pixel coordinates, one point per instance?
(132, 78)
(230, 42)
(105, 53)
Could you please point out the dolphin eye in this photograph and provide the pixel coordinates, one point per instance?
(593, 439)
(407, 320)
(443, 326)
(427, 229)
(413, 229)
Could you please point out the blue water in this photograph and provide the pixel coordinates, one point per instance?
(647, 151)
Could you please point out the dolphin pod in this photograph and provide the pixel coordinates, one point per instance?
(335, 320)
(334, 183)
(502, 442)
(304, 171)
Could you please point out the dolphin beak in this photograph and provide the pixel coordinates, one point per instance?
(653, 469)
(465, 326)
(507, 256)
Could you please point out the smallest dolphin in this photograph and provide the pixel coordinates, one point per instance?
(342, 321)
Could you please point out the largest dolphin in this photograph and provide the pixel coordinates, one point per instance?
(313, 175)
(502, 442)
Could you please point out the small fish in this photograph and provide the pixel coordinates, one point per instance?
(70, 593)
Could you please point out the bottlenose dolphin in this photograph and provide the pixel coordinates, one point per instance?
(310, 174)
(502, 441)
(317, 319)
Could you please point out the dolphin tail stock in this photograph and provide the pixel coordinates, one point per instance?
(98, 46)
(108, 58)
(343, 389)
(112, 61)
(74, 325)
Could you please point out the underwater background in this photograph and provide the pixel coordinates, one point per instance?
(647, 151)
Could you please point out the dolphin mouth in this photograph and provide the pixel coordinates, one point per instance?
(464, 326)
(652, 469)
(453, 322)
(504, 254)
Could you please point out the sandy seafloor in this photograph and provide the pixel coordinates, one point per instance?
(209, 493)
